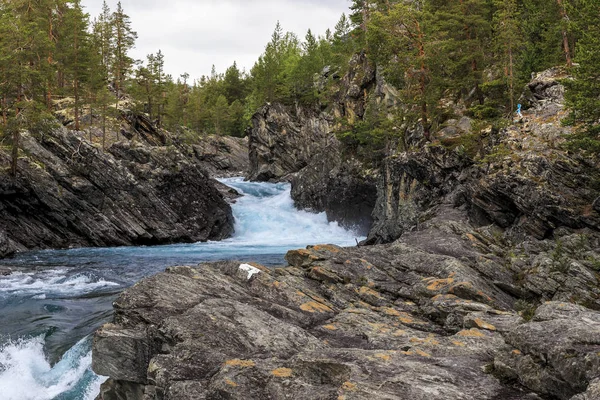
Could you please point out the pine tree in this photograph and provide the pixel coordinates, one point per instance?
(583, 93)
(234, 84)
(76, 51)
(508, 43)
(124, 40)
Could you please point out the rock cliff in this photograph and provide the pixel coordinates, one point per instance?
(70, 194)
(519, 178)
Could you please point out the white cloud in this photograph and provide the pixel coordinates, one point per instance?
(194, 35)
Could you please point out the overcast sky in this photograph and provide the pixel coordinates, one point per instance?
(195, 34)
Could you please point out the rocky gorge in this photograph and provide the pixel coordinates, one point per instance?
(481, 280)
(141, 191)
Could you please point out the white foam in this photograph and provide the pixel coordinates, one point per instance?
(266, 217)
(250, 270)
(54, 281)
(26, 374)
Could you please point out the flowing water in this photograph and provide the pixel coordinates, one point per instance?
(52, 305)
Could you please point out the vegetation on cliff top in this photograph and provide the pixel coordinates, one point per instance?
(444, 57)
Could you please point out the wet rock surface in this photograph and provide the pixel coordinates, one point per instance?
(446, 312)
(71, 194)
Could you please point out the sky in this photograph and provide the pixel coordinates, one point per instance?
(195, 34)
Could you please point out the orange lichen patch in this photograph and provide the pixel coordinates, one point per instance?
(467, 285)
(313, 307)
(299, 293)
(356, 311)
(282, 372)
(366, 291)
(484, 296)
(240, 363)
(423, 354)
(277, 284)
(365, 305)
(383, 328)
(301, 258)
(471, 237)
(366, 264)
(400, 332)
(484, 325)
(471, 333)
(459, 344)
(439, 284)
(391, 311)
(406, 318)
(326, 247)
(445, 297)
(383, 356)
(516, 352)
(318, 299)
(417, 352)
(331, 327)
(350, 387)
(430, 340)
(230, 382)
(341, 398)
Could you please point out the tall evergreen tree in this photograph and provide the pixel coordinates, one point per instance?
(76, 53)
(583, 94)
(124, 40)
(508, 43)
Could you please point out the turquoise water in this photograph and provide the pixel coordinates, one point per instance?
(52, 304)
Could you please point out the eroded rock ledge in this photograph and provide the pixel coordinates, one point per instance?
(447, 312)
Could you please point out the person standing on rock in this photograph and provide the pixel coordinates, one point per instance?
(519, 113)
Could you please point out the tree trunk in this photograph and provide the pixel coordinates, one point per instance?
(565, 35)
(76, 82)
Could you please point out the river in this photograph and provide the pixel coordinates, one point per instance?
(54, 301)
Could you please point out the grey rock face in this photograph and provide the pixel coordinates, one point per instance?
(339, 187)
(223, 156)
(70, 194)
(283, 141)
(431, 316)
(6, 248)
